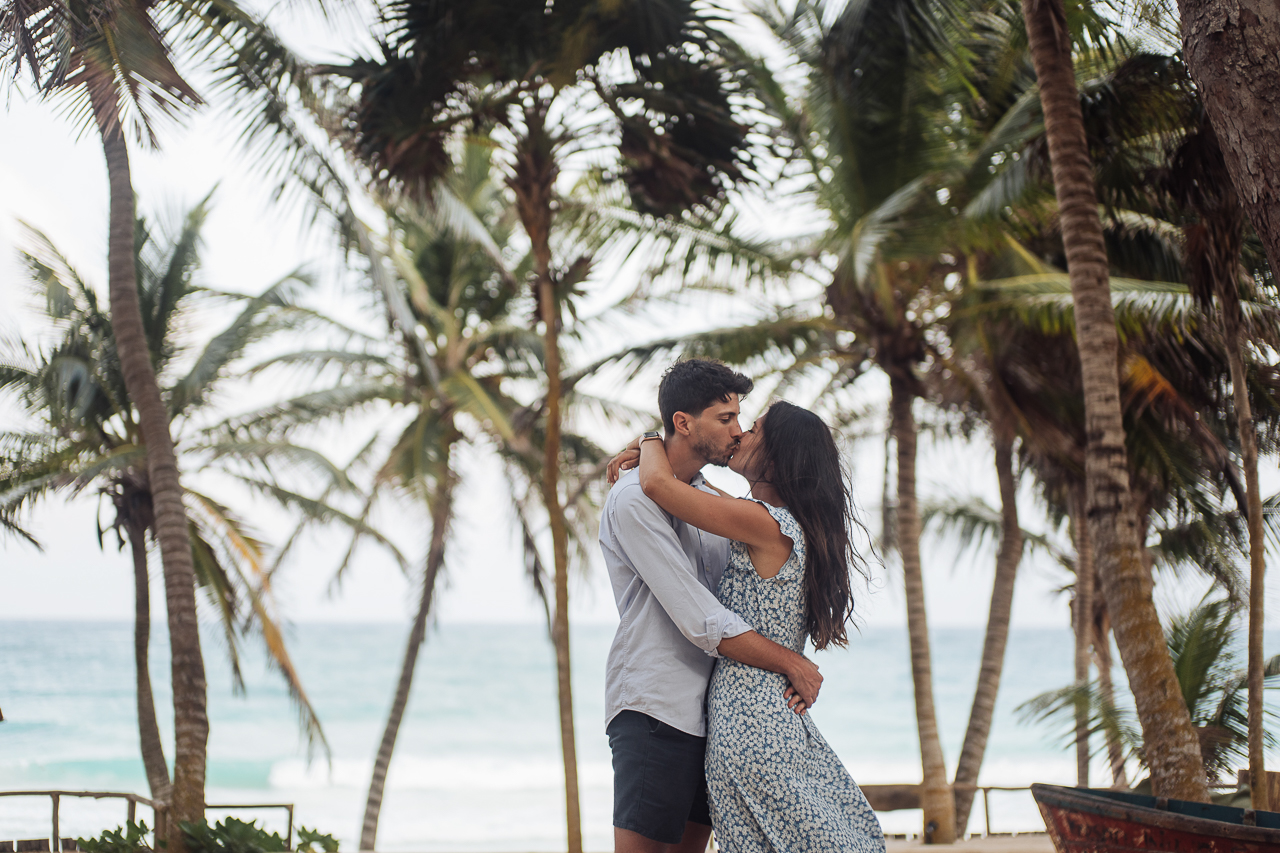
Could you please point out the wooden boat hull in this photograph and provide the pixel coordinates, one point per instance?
(1082, 820)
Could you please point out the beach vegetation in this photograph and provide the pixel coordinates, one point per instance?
(231, 835)
(130, 838)
(1204, 645)
(315, 841)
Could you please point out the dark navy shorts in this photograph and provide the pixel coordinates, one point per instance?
(658, 778)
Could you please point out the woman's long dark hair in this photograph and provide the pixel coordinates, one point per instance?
(805, 469)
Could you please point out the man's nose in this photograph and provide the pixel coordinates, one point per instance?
(736, 431)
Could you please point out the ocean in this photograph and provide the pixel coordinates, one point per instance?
(477, 764)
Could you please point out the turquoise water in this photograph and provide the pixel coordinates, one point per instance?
(477, 764)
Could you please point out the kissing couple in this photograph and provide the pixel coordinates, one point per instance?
(706, 685)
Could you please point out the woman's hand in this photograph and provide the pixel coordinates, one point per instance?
(626, 459)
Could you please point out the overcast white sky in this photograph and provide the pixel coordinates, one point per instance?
(58, 184)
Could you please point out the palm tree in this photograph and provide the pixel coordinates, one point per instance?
(1210, 682)
(544, 78)
(111, 62)
(1177, 769)
(442, 274)
(1198, 180)
(89, 438)
(1231, 51)
(1179, 441)
(880, 82)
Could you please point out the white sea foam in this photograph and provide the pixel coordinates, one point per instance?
(477, 772)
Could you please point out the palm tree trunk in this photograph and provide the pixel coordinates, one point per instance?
(993, 646)
(1082, 623)
(1177, 769)
(441, 517)
(190, 715)
(936, 797)
(1257, 562)
(1232, 48)
(534, 186)
(1102, 656)
(148, 729)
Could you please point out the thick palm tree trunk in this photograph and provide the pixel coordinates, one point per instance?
(441, 517)
(1257, 562)
(148, 729)
(1177, 769)
(1232, 48)
(935, 797)
(1082, 624)
(534, 186)
(190, 714)
(997, 637)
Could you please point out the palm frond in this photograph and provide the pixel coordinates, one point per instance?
(229, 344)
(324, 513)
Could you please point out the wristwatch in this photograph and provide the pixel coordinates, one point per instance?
(653, 433)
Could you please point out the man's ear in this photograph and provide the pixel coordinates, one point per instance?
(683, 423)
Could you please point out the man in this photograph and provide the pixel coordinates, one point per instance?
(672, 628)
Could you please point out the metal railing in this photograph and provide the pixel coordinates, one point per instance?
(159, 812)
(288, 807)
(986, 802)
(886, 798)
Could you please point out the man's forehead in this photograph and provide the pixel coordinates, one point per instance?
(720, 407)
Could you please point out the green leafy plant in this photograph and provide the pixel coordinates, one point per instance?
(1203, 646)
(315, 841)
(231, 836)
(130, 838)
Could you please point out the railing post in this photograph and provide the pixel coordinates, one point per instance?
(133, 809)
(986, 808)
(288, 839)
(57, 834)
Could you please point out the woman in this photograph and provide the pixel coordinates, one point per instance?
(774, 783)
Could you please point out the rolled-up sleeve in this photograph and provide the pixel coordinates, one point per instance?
(653, 550)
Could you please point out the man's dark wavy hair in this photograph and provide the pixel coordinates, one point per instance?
(804, 466)
(690, 386)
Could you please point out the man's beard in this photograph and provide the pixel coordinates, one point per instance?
(713, 454)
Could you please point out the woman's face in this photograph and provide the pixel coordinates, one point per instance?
(749, 459)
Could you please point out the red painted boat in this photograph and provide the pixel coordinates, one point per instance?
(1088, 820)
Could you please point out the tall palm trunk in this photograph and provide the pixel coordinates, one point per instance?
(534, 186)
(997, 637)
(1177, 769)
(1212, 250)
(936, 798)
(441, 516)
(1082, 625)
(1257, 561)
(190, 714)
(1107, 690)
(1232, 48)
(148, 729)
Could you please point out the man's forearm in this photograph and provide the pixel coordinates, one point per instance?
(754, 650)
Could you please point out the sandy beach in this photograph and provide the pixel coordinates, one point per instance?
(1023, 842)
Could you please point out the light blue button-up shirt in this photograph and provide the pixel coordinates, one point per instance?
(663, 573)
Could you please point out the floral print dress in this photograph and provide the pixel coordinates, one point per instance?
(773, 782)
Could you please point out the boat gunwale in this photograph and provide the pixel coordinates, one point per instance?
(1098, 803)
